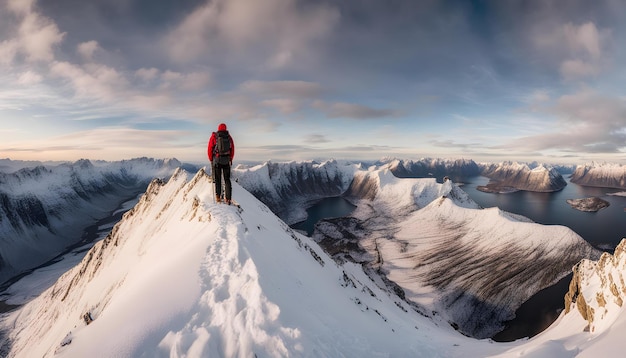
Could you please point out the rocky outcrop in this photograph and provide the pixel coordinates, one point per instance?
(598, 289)
(509, 175)
(600, 175)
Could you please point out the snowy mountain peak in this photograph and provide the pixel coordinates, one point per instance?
(542, 178)
(182, 276)
(603, 175)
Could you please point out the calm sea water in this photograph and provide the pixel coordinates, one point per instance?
(603, 229)
(334, 207)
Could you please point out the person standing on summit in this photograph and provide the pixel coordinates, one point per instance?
(221, 152)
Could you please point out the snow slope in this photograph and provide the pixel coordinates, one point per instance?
(541, 178)
(45, 209)
(436, 247)
(286, 188)
(603, 175)
(594, 321)
(181, 276)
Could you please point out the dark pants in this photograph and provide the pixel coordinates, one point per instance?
(218, 171)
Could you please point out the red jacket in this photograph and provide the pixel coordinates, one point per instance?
(213, 142)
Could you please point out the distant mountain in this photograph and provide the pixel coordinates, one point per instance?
(432, 168)
(45, 209)
(434, 246)
(509, 176)
(601, 175)
(183, 276)
(384, 205)
(286, 188)
(506, 176)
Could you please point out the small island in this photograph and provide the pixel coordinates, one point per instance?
(588, 204)
(496, 188)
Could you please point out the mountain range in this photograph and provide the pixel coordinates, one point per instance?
(600, 174)
(45, 209)
(182, 276)
(432, 245)
(418, 261)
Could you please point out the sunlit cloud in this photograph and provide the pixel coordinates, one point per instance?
(306, 76)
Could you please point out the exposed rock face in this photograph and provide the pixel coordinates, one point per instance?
(43, 210)
(601, 175)
(598, 289)
(286, 188)
(588, 204)
(521, 177)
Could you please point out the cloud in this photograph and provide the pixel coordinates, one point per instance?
(291, 89)
(87, 49)
(29, 78)
(316, 139)
(587, 122)
(284, 105)
(275, 33)
(147, 74)
(103, 143)
(193, 81)
(583, 51)
(354, 111)
(95, 81)
(36, 35)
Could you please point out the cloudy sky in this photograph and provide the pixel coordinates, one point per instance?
(302, 79)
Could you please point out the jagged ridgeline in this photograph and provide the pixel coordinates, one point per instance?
(182, 276)
(602, 175)
(416, 259)
(426, 241)
(45, 209)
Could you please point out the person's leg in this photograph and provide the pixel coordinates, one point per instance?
(217, 178)
(228, 184)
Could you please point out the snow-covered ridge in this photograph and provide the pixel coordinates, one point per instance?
(542, 178)
(182, 276)
(602, 175)
(287, 187)
(45, 209)
(437, 248)
(431, 167)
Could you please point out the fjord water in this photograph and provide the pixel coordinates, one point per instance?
(333, 207)
(603, 229)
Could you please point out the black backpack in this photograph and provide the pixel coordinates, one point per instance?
(222, 147)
